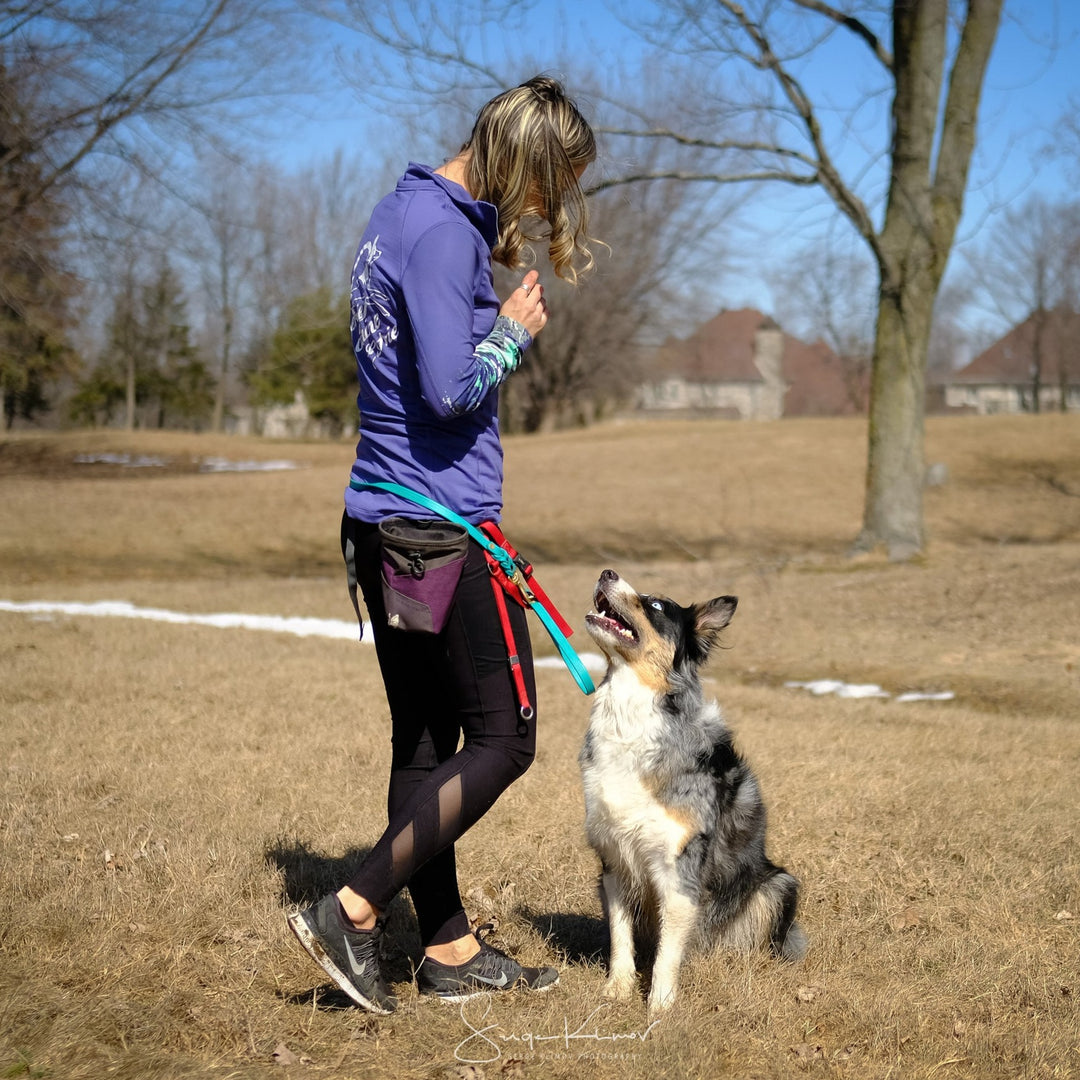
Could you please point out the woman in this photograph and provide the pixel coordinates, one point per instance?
(433, 345)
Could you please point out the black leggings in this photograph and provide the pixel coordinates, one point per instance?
(441, 688)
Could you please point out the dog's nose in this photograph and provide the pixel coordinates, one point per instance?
(609, 575)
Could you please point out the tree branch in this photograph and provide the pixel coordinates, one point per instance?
(127, 99)
(856, 26)
(750, 146)
(827, 174)
(21, 14)
(800, 179)
(416, 44)
(958, 126)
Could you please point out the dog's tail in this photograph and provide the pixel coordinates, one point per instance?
(794, 945)
(763, 918)
(786, 939)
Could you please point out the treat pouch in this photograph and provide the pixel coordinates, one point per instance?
(422, 562)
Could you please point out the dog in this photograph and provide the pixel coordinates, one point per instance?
(671, 808)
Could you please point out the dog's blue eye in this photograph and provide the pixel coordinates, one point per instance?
(656, 604)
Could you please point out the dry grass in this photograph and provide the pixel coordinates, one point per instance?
(168, 789)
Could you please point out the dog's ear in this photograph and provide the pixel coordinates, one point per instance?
(711, 618)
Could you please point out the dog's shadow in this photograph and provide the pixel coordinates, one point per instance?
(307, 876)
(582, 939)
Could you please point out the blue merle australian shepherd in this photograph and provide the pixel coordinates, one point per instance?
(671, 808)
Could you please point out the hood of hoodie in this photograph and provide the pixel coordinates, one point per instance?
(481, 215)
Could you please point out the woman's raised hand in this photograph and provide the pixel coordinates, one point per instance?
(526, 304)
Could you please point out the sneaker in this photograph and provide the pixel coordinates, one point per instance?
(349, 956)
(488, 970)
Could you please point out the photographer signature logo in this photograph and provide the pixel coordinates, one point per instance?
(488, 1039)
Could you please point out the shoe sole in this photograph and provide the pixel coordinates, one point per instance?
(306, 936)
(453, 998)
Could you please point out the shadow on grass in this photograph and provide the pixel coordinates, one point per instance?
(582, 939)
(326, 997)
(308, 875)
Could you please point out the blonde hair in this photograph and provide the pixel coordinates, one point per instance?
(526, 149)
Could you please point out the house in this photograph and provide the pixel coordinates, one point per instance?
(1039, 357)
(741, 364)
(291, 421)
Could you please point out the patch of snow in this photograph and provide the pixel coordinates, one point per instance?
(281, 624)
(128, 461)
(864, 690)
(219, 464)
(206, 465)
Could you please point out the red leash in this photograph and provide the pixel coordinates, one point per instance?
(503, 586)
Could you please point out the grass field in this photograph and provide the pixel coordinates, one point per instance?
(168, 791)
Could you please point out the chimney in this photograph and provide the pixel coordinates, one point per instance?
(768, 359)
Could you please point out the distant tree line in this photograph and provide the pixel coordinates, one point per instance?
(148, 269)
(146, 288)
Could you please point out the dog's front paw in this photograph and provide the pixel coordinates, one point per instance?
(619, 987)
(661, 997)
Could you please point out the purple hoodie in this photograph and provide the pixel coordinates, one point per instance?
(423, 320)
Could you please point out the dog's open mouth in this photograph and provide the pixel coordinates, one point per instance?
(606, 618)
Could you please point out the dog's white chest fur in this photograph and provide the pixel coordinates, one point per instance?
(624, 819)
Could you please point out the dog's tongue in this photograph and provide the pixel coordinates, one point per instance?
(605, 619)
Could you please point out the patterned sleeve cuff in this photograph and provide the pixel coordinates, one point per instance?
(513, 330)
(494, 359)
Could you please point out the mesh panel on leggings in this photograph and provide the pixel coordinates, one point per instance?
(433, 820)
(401, 851)
(450, 811)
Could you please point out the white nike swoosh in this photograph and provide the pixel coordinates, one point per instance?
(500, 981)
(359, 969)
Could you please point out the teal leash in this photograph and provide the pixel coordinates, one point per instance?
(573, 662)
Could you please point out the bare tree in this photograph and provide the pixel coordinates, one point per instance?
(589, 358)
(297, 233)
(98, 96)
(935, 89)
(767, 127)
(223, 255)
(1026, 271)
(117, 83)
(828, 293)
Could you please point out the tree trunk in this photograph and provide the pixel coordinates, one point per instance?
(217, 424)
(218, 421)
(893, 512)
(1037, 360)
(129, 395)
(931, 154)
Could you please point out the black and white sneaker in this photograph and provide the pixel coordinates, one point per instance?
(489, 970)
(349, 956)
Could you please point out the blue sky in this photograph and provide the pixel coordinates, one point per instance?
(1034, 69)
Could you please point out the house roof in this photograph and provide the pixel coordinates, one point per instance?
(722, 350)
(1009, 359)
